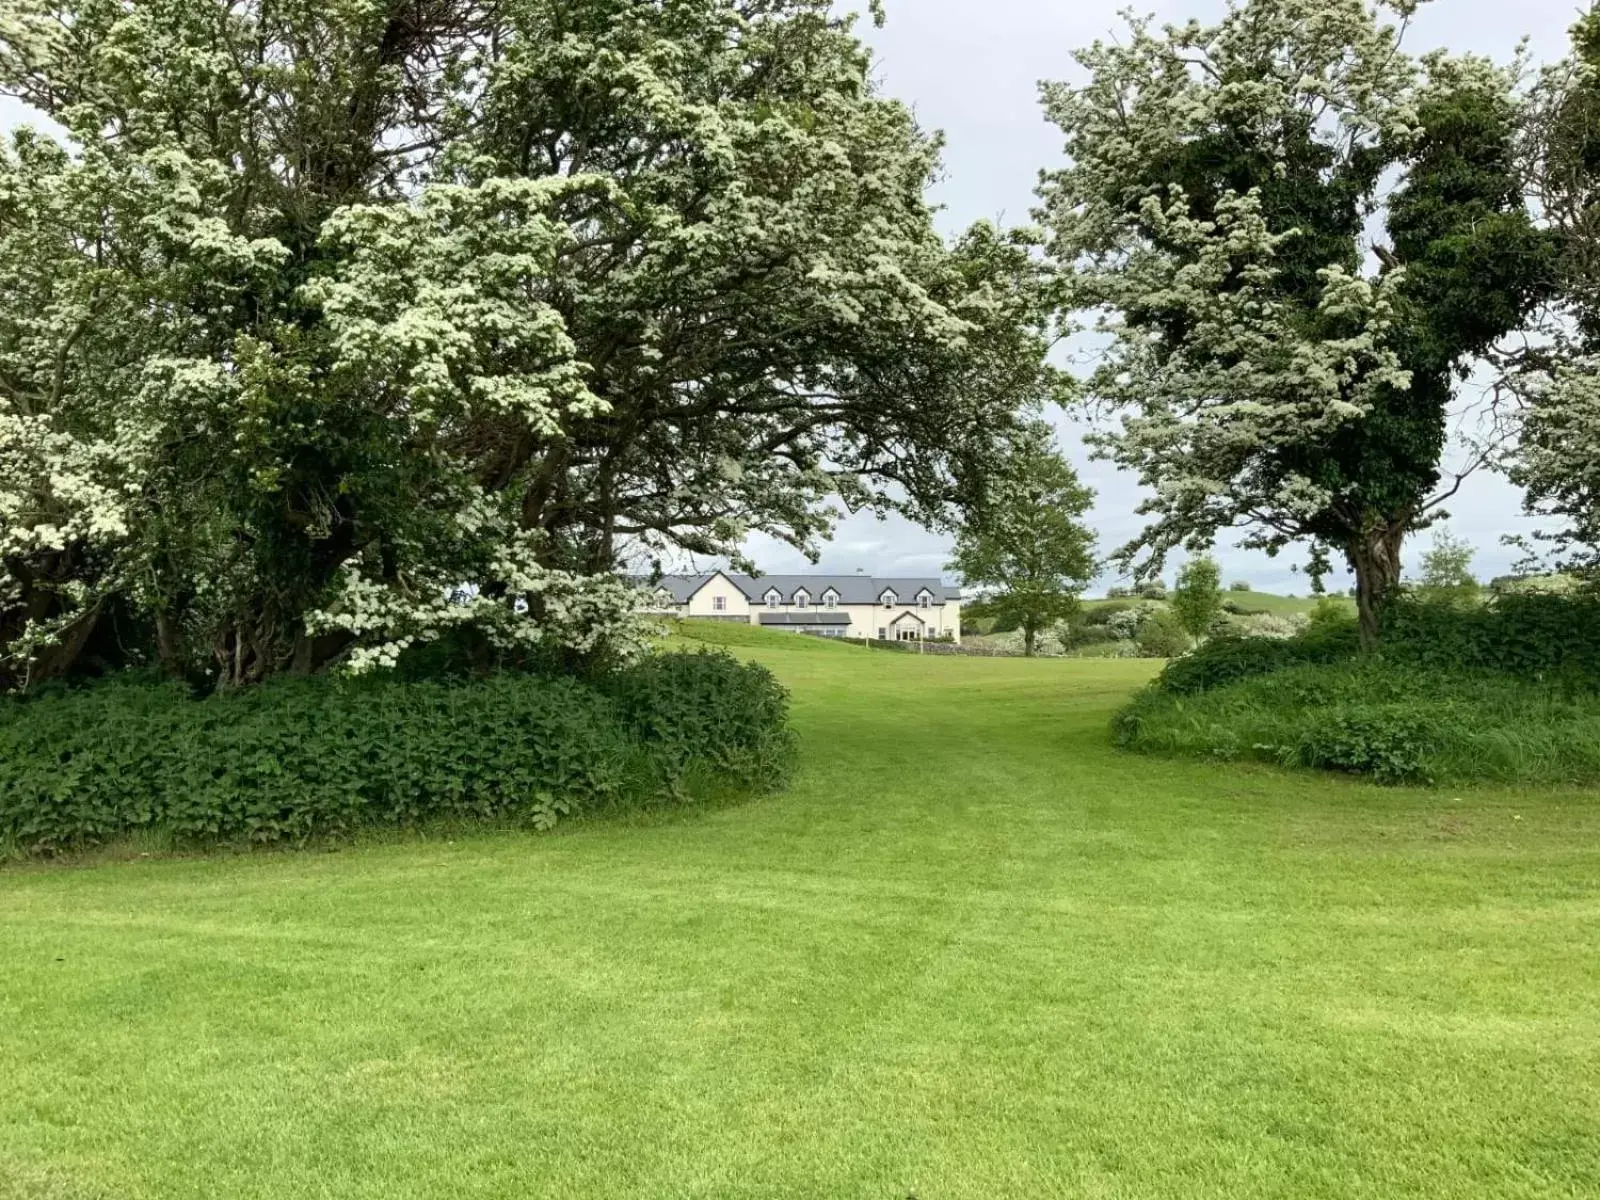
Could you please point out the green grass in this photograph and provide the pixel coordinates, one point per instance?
(974, 952)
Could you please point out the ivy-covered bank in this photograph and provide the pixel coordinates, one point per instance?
(1506, 691)
(300, 758)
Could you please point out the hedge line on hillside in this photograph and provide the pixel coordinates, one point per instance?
(306, 757)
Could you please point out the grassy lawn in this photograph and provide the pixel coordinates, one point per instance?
(974, 952)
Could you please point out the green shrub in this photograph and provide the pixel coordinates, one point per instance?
(1393, 743)
(1533, 636)
(1239, 585)
(707, 709)
(1226, 659)
(1388, 721)
(1123, 624)
(1106, 649)
(298, 758)
(1507, 691)
(1100, 614)
(1162, 635)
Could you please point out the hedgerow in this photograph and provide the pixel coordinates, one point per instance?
(298, 758)
(1506, 691)
(1392, 722)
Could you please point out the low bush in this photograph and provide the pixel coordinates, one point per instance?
(1226, 659)
(1508, 690)
(1100, 614)
(1538, 636)
(1388, 721)
(299, 758)
(1162, 635)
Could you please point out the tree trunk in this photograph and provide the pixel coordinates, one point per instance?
(58, 660)
(1375, 558)
(1029, 636)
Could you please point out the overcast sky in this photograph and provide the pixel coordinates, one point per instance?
(972, 70)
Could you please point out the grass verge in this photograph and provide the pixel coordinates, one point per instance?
(974, 951)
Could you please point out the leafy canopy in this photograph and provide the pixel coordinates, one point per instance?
(1221, 178)
(325, 309)
(1026, 542)
(1197, 599)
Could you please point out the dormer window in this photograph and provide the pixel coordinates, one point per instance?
(830, 599)
(924, 599)
(888, 598)
(802, 598)
(774, 598)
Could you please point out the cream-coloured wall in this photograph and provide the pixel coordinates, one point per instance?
(704, 602)
(867, 619)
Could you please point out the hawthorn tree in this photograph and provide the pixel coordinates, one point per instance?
(1220, 181)
(1025, 542)
(1557, 458)
(324, 309)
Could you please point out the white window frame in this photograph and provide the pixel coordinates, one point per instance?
(830, 600)
(802, 599)
(774, 598)
(924, 599)
(719, 604)
(888, 598)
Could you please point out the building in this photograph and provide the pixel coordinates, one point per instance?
(846, 606)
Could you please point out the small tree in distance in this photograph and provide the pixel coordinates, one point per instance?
(1197, 600)
(1447, 568)
(1026, 541)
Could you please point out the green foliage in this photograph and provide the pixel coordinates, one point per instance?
(1394, 722)
(1507, 690)
(1162, 635)
(318, 311)
(1530, 636)
(1447, 569)
(1198, 597)
(1239, 585)
(1026, 540)
(1268, 380)
(307, 757)
(1392, 743)
(1223, 660)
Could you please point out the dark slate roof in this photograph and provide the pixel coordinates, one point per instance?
(852, 589)
(805, 618)
(680, 586)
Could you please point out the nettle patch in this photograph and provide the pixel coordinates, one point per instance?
(300, 758)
